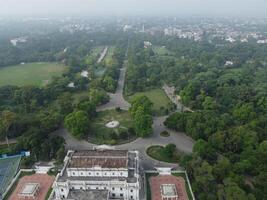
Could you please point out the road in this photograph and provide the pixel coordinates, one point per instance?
(102, 55)
(116, 99)
(182, 142)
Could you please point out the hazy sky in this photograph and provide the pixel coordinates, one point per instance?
(251, 8)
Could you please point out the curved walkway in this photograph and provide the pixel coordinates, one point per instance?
(182, 142)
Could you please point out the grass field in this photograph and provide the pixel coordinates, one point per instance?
(79, 95)
(100, 134)
(157, 152)
(108, 57)
(38, 74)
(162, 51)
(96, 51)
(159, 99)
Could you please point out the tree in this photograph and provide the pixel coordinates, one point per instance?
(88, 107)
(209, 104)
(6, 120)
(141, 100)
(65, 103)
(142, 122)
(169, 150)
(98, 96)
(77, 123)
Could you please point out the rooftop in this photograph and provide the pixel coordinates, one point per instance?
(29, 189)
(99, 158)
(88, 195)
(168, 190)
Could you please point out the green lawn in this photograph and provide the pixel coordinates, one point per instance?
(38, 74)
(157, 152)
(108, 57)
(79, 95)
(100, 134)
(162, 51)
(159, 99)
(96, 51)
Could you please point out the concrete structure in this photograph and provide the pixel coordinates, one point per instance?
(168, 187)
(99, 174)
(29, 191)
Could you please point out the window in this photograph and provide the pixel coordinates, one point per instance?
(97, 173)
(73, 173)
(113, 173)
(81, 173)
(97, 188)
(121, 188)
(121, 195)
(113, 188)
(89, 173)
(113, 195)
(131, 197)
(131, 190)
(63, 196)
(62, 190)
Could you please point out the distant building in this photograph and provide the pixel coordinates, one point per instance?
(99, 174)
(230, 39)
(84, 74)
(228, 63)
(71, 85)
(147, 44)
(262, 41)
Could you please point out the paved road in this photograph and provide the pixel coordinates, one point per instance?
(116, 99)
(182, 142)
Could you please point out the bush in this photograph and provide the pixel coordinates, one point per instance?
(165, 134)
(118, 109)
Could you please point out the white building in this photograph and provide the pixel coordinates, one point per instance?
(99, 174)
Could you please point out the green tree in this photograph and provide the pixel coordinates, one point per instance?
(169, 150)
(77, 123)
(142, 122)
(65, 101)
(7, 118)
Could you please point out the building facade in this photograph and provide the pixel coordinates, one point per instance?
(110, 173)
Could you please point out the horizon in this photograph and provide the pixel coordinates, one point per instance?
(131, 8)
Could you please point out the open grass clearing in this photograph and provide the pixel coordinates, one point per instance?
(108, 57)
(161, 103)
(37, 74)
(162, 51)
(157, 152)
(100, 134)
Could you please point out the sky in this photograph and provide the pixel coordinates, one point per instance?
(249, 8)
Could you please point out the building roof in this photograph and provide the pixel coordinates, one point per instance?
(99, 158)
(100, 153)
(168, 190)
(29, 189)
(98, 162)
(164, 186)
(88, 195)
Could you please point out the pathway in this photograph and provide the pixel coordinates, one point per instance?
(182, 142)
(116, 99)
(102, 55)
